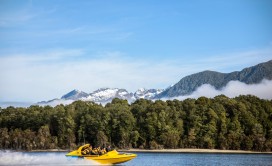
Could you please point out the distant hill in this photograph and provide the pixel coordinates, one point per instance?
(186, 86)
(103, 96)
(74, 95)
(189, 84)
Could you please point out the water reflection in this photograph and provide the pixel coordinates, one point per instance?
(143, 159)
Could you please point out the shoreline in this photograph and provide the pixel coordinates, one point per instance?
(186, 150)
(51, 150)
(193, 151)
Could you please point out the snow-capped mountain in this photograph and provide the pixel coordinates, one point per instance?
(65, 99)
(74, 95)
(186, 86)
(147, 93)
(103, 96)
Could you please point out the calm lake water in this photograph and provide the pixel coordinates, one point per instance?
(143, 159)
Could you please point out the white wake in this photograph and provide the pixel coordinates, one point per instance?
(9, 158)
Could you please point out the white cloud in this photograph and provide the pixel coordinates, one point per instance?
(42, 57)
(51, 74)
(45, 75)
(232, 89)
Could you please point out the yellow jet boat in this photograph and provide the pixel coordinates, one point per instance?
(111, 157)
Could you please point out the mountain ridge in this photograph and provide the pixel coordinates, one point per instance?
(74, 94)
(103, 96)
(188, 84)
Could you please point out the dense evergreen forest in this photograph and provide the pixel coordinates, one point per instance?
(244, 122)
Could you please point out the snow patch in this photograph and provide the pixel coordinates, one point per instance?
(147, 93)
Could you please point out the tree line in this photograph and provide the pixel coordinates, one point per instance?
(241, 123)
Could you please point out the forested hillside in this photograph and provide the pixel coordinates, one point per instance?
(243, 123)
(188, 84)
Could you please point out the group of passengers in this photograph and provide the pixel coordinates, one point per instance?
(96, 151)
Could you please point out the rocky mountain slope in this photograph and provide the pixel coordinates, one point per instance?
(188, 84)
(103, 96)
(74, 95)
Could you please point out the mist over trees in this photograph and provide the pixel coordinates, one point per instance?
(244, 122)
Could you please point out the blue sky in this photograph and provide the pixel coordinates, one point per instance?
(48, 48)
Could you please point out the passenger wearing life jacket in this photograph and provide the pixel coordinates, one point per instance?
(99, 150)
(103, 151)
(87, 150)
(90, 149)
(95, 151)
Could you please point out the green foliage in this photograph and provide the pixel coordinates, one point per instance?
(244, 122)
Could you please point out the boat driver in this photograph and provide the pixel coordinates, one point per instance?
(108, 148)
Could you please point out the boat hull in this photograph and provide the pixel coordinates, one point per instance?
(121, 158)
(112, 157)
